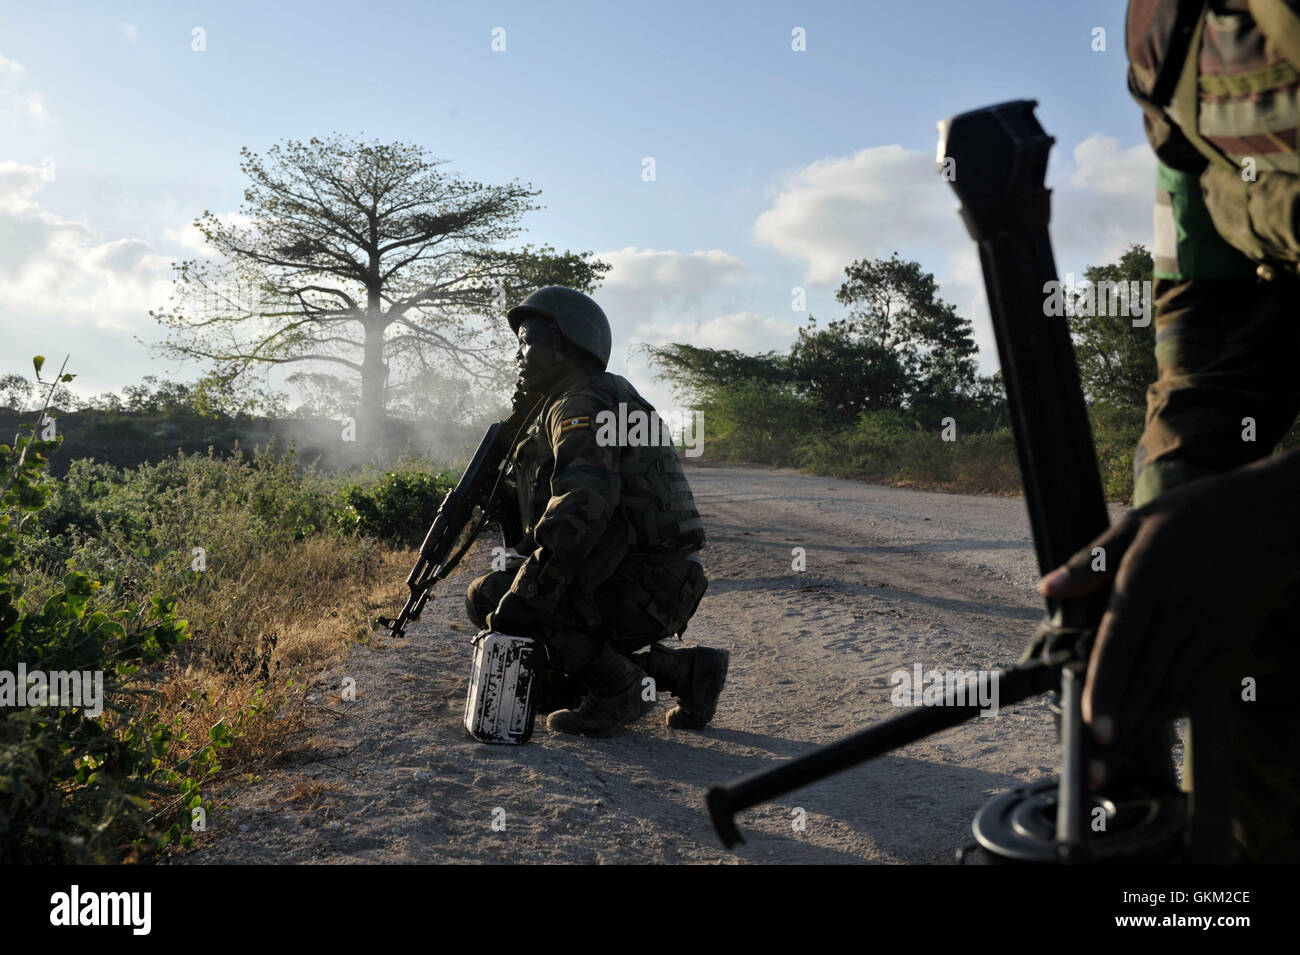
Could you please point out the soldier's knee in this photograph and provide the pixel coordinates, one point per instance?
(477, 602)
(483, 595)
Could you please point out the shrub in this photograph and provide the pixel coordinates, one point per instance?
(399, 508)
(77, 785)
(1115, 432)
(138, 530)
(889, 446)
(758, 421)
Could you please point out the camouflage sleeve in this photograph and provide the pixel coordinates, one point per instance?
(585, 488)
(1227, 389)
(1219, 335)
(1149, 30)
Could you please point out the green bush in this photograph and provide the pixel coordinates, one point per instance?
(399, 508)
(1115, 433)
(138, 530)
(889, 446)
(78, 786)
(757, 421)
(874, 447)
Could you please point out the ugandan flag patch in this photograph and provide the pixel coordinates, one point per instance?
(575, 424)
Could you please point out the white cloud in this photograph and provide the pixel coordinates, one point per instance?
(1106, 205)
(655, 296)
(18, 104)
(886, 198)
(130, 32)
(1100, 165)
(743, 331)
(670, 277)
(834, 211)
(57, 266)
(648, 286)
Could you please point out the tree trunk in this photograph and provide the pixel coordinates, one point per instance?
(374, 379)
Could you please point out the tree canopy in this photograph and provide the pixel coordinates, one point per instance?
(366, 258)
(899, 348)
(895, 304)
(1116, 359)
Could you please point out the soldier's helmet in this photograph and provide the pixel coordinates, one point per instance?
(580, 320)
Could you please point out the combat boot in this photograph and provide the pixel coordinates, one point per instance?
(615, 696)
(695, 676)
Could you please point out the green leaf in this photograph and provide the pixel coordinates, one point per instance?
(39, 362)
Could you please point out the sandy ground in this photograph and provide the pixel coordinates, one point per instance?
(893, 578)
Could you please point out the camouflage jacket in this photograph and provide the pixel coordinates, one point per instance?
(592, 491)
(1220, 93)
(1221, 102)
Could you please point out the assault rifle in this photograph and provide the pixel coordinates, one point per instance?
(450, 535)
(999, 157)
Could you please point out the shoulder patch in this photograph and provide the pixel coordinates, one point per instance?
(574, 424)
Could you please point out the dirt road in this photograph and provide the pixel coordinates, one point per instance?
(893, 578)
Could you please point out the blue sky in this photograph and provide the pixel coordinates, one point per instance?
(775, 168)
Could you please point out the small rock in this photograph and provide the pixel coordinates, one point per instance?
(243, 828)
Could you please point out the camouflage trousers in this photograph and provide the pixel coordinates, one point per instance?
(642, 603)
(1228, 390)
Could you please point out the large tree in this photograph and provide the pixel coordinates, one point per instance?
(1116, 358)
(899, 347)
(896, 304)
(364, 257)
(695, 373)
(845, 372)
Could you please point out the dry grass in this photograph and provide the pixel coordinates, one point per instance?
(261, 638)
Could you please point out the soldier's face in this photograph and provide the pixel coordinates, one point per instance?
(540, 353)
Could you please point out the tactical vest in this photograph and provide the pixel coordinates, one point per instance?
(655, 501)
(656, 497)
(1224, 74)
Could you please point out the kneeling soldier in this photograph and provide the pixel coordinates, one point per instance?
(609, 529)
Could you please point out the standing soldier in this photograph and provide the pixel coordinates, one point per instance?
(609, 530)
(1211, 555)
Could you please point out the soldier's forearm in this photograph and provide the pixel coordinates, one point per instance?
(542, 580)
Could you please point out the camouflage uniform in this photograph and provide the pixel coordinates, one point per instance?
(611, 531)
(1220, 95)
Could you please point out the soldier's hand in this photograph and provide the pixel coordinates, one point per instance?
(1193, 574)
(511, 616)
